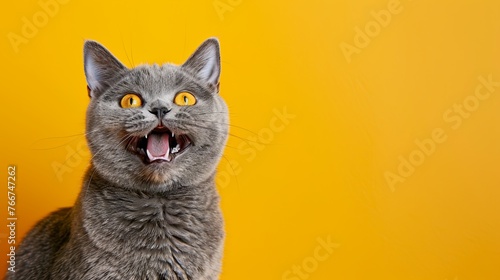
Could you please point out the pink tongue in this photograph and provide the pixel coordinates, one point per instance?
(158, 144)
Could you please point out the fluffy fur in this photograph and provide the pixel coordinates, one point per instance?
(134, 220)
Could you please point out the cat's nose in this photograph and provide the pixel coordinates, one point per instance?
(160, 112)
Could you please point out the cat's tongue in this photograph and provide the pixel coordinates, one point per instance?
(158, 147)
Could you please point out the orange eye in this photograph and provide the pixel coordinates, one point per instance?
(184, 99)
(131, 101)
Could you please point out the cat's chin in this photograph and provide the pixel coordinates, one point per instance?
(159, 146)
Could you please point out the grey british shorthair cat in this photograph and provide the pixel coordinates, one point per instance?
(148, 208)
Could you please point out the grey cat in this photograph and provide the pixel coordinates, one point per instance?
(148, 207)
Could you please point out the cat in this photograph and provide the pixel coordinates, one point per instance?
(148, 207)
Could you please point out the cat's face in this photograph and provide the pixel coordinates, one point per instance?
(155, 126)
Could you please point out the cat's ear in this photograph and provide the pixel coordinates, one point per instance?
(101, 67)
(205, 62)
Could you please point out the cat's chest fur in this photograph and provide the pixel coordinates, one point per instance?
(137, 235)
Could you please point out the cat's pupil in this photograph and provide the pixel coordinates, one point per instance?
(131, 101)
(185, 99)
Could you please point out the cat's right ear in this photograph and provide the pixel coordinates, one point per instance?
(101, 67)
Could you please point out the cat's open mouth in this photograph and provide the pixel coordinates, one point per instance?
(161, 144)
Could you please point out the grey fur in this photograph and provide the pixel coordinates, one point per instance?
(133, 220)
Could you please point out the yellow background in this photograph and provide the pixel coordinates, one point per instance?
(317, 176)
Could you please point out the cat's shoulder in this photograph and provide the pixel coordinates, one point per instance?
(55, 221)
(55, 227)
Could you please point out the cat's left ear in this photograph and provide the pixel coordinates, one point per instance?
(101, 67)
(205, 62)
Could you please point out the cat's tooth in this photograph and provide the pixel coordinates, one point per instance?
(176, 149)
(146, 136)
(173, 134)
(150, 156)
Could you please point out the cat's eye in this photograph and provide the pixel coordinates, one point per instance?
(131, 101)
(184, 98)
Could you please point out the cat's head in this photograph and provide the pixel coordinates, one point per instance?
(155, 126)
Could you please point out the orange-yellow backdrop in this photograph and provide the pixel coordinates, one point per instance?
(369, 126)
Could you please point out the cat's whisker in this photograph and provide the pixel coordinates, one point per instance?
(132, 53)
(56, 147)
(223, 123)
(231, 147)
(125, 49)
(75, 136)
(246, 140)
(232, 125)
(90, 180)
(213, 129)
(206, 113)
(59, 137)
(233, 171)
